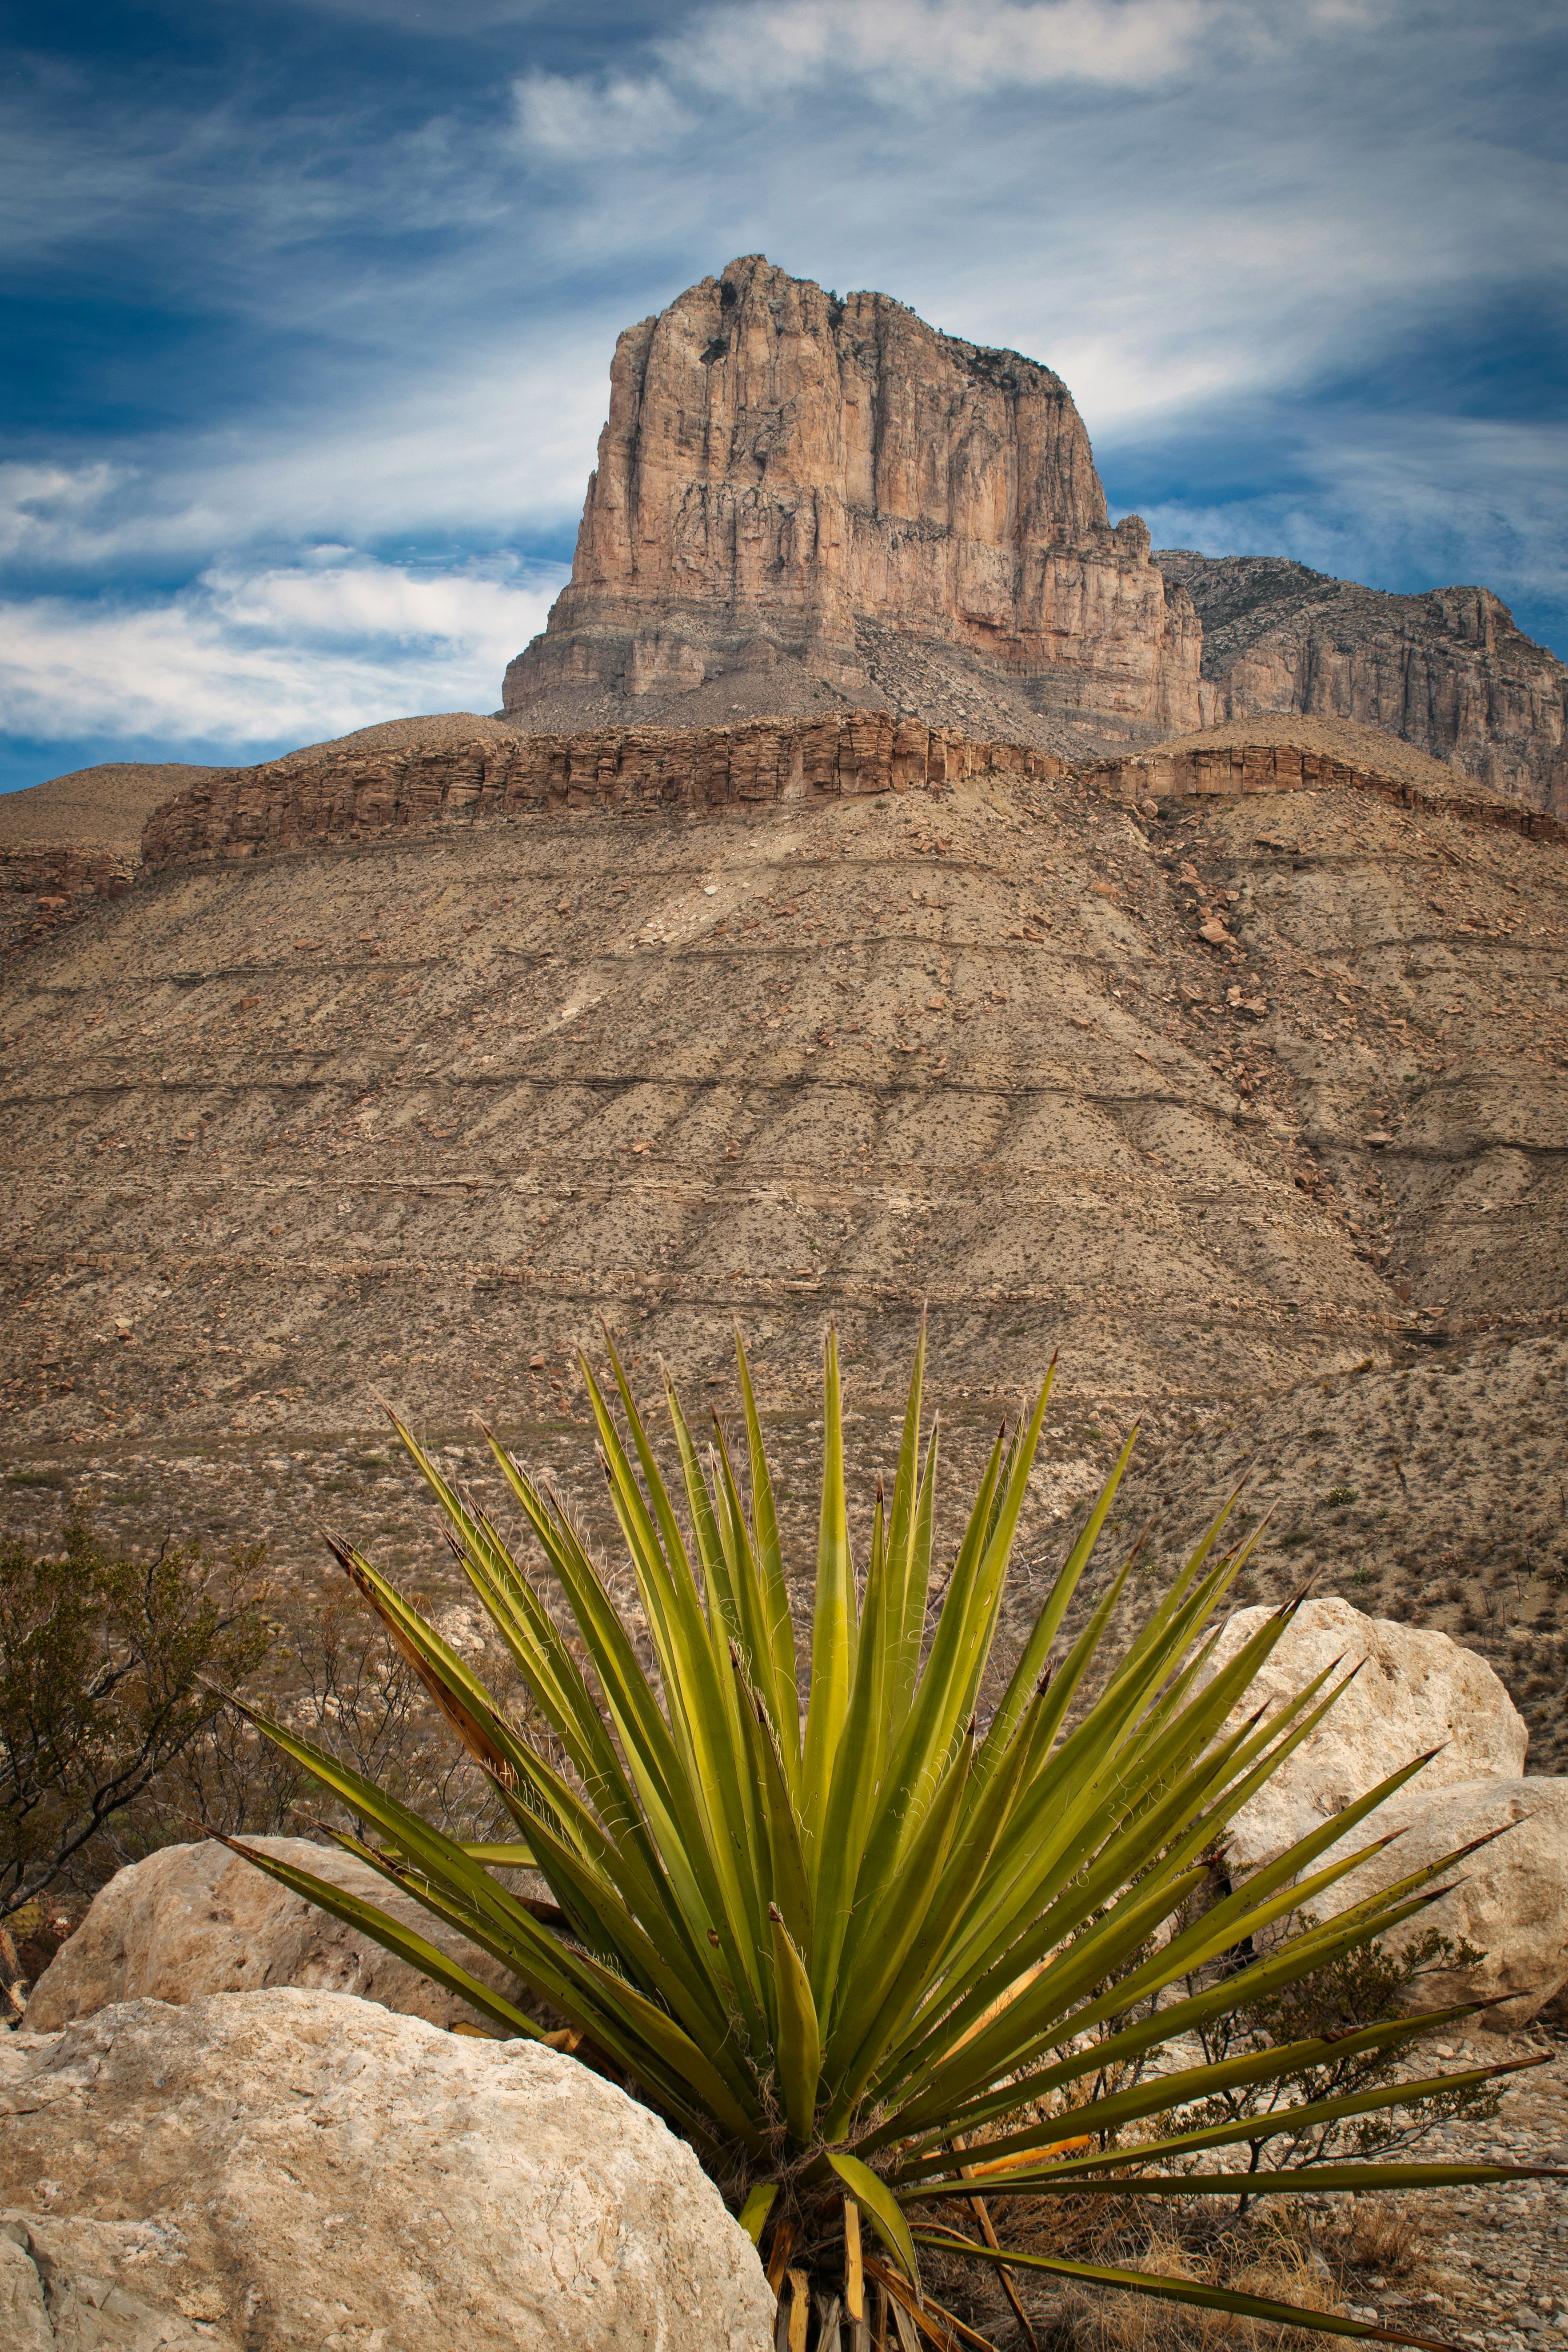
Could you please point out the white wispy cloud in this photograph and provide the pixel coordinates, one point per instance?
(562, 115)
(956, 47)
(1196, 210)
(924, 52)
(289, 652)
(501, 443)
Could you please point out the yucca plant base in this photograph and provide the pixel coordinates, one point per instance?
(874, 1955)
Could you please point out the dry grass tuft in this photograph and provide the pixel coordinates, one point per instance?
(1278, 2267)
(1382, 2235)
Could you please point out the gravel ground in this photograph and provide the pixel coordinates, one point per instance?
(1488, 2266)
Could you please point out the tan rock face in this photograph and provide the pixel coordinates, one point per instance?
(653, 771)
(628, 771)
(1510, 1898)
(1232, 770)
(1416, 1690)
(1448, 671)
(779, 466)
(196, 1919)
(289, 2167)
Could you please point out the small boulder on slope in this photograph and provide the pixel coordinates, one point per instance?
(1510, 1899)
(1416, 1690)
(195, 1919)
(297, 2167)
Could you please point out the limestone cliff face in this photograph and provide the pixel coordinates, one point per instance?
(1448, 671)
(780, 468)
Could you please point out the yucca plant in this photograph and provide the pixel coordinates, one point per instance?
(880, 1956)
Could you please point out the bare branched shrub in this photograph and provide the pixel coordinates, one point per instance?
(117, 1737)
(111, 1672)
(1370, 1986)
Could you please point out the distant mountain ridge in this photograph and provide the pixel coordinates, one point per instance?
(805, 507)
(1448, 671)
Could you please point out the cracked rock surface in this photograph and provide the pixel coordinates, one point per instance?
(1448, 671)
(295, 2168)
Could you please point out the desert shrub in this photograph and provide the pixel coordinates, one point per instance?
(1329, 2009)
(331, 1671)
(891, 1957)
(116, 1736)
(108, 1674)
(1382, 2235)
(1269, 2260)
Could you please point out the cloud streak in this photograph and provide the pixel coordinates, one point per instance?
(285, 654)
(924, 52)
(937, 48)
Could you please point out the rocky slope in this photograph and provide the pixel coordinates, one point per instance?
(1430, 1491)
(1447, 671)
(79, 837)
(798, 498)
(101, 808)
(1218, 1102)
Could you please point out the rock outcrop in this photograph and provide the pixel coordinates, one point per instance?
(41, 889)
(1416, 1690)
(286, 2168)
(1233, 770)
(196, 1919)
(781, 469)
(1509, 1899)
(643, 772)
(1448, 671)
(621, 771)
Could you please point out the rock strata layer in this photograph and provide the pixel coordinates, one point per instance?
(653, 771)
(626, 770)
(1448, 671)
(781, 470)
(1231, 772)
(291, 2168)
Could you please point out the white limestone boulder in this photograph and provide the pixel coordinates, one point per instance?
(1510, 1899)
(1417, 1690)
(295, 2167)
(195, 1919)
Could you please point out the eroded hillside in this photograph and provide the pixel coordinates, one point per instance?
(405, 1118)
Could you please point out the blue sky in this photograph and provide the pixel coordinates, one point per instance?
(310, 303)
